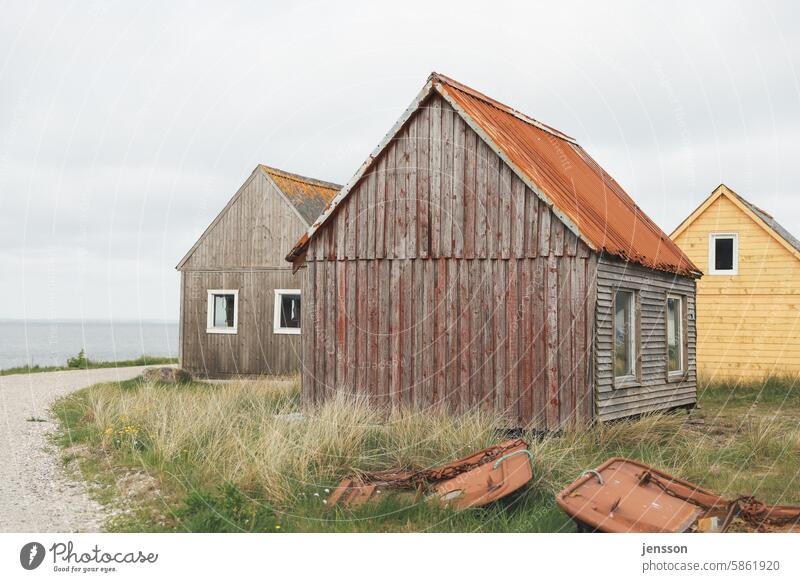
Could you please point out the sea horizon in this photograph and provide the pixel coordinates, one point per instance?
(50, 342)
(85, 320)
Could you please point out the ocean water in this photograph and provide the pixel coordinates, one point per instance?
(50, 343)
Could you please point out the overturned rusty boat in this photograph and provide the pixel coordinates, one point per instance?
(622, 495)
(480, 478)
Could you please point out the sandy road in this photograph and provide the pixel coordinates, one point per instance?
(35, 493)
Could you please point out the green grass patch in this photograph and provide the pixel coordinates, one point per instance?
(731, 395)
(245, 456)
(80, 362)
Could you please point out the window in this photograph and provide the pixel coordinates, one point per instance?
(624, 336)
(287, 311)
(723, 254)
(675, 334)
(223, 311)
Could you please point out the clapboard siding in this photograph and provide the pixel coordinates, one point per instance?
(653, 392)
(254, 349)
(749, 322)
(442, 279)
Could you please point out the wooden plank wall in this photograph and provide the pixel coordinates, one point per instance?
(443, 279)
(749, 322)
(654, 392)
(244, 249)
(255, 349)
(256, 229)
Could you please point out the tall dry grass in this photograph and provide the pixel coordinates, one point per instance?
(256, 435)
(253, 433)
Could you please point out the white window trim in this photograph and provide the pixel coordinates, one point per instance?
(712, 253)
(681, 339)
(276, 315)
(210, 311)
(633, 377)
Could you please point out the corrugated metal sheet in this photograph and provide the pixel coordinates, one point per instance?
(603, 213)
(580, 192)
(308, 195)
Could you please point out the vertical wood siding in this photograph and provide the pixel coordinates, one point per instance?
(467, 333)
(255, 230)
(654, 392)
(443, 279)
(245, 249)
(255, 349)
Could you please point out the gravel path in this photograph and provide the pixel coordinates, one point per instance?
(35, 493)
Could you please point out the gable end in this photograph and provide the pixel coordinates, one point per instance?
(252, 231)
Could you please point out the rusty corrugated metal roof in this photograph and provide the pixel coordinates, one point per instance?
(568, 178)
(580, 192)
(307, 195)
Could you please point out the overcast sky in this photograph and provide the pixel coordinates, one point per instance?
(126, 126)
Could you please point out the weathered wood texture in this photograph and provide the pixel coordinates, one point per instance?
(505, 335)
(653, 392)
(254, 349)
(244, 248)
(255, 229)
(443, 279)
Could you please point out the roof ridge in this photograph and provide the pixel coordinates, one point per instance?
(742, 198)
(746, 201)
(580, 193)
(298, 178)
(770, 221)
(444, 79)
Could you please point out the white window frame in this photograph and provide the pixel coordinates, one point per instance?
(210, 311)
(681, 338)
(712, 252)
(276, 316)
(633, 377)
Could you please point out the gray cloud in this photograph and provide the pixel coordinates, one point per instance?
(125, 127)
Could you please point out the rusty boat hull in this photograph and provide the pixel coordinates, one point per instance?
(626, 496)
(478, 479)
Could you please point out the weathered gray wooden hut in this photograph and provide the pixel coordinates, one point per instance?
(481, 258)
(240, 301)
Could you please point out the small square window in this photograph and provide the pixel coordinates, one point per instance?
(223, 311)
(287, 311)
(723, 254)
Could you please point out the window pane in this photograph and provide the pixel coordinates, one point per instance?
(223, 310)
(674, 334)
(290, 311)
(723, 254)
(623, 334)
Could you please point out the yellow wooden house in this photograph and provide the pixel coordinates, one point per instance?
(748, 301)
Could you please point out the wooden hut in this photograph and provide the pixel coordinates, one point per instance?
(749, 300)
(481, 258)
(240, 301)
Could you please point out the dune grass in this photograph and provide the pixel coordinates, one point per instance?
(241, 456)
